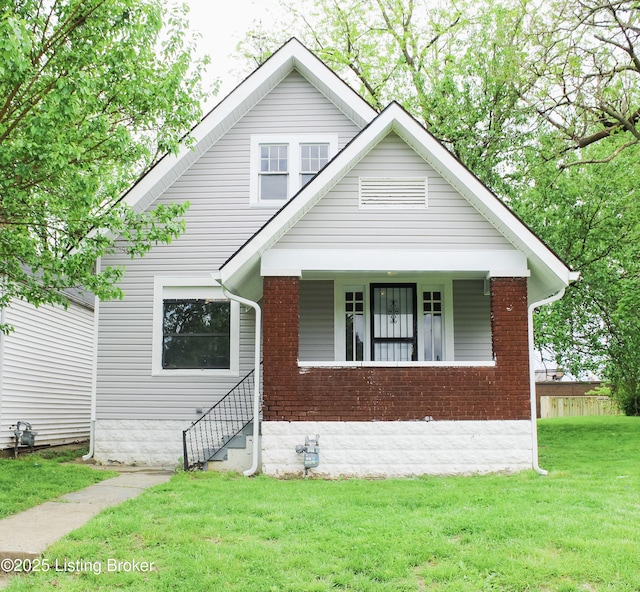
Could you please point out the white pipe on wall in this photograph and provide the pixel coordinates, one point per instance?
(532, 381)
(256, 378)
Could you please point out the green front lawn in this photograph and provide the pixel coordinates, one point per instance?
(576, 529)
(32, 479)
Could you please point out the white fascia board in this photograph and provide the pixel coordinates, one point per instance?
(301, 203)
(333, 87)
(478, 195)
(396, 119)
(293, 262)
(292, 55)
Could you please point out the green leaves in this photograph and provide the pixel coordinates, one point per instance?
(92, 93)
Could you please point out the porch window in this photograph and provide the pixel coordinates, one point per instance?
(398, 322)
(354, 325)
(432, 324)
(196, 334)
(393, 322)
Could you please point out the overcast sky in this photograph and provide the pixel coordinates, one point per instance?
(222, 24)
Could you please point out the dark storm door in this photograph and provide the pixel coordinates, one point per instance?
(393, 322)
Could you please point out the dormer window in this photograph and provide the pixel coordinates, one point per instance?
(312, 158)
(282, 165)
(274, 174)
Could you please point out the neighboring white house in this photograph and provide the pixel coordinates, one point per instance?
(387, 290)
(46, 371)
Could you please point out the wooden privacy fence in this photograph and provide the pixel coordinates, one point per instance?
(575, 406)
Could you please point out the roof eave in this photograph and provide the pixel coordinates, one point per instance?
(293, 55)
(549, 273)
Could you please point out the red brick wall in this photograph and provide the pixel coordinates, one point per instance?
(388, 394)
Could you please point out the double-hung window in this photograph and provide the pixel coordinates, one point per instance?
(195, 330)
(274, 171)
(312, 158)
(282, 164)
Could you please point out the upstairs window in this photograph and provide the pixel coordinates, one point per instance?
(312, 158)
(274, 172)
(282, 164)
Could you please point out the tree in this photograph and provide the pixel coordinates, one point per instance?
(92, 93)
(541, 101)
(590, 213)
(457, 68)
(586, 58)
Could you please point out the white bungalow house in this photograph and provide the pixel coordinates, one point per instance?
(343, 276)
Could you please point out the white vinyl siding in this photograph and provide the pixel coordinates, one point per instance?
(219, 221)
(47, 372)
(449, 223)
(472, 314)
(316, 321)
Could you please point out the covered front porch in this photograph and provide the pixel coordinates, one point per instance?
(395, 416)
(329, 357)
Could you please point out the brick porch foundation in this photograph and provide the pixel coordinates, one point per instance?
(405, 393)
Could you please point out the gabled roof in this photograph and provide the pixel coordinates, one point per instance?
(293, 55)
(548, 273)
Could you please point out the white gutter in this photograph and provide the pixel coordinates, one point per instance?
(94, 378)
(532, 381)
(256, 376)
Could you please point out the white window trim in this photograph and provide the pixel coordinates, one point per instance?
(191, 287)
(444, 285)
(293, 164)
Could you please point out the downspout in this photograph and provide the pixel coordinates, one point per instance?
(256, 376)
(532, 381)
(94, 380)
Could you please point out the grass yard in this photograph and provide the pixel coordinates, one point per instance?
(35, 478)
(574, 530)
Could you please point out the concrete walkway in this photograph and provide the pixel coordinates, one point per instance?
(26, 535)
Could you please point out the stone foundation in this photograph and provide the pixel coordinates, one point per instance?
(399, 448)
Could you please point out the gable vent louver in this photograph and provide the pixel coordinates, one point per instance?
(393, 192)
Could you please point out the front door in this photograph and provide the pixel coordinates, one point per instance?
(393, 322)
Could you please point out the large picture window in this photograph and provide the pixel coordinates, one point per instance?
(196, 329)
(196, 333)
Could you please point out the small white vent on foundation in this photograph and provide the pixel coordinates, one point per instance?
(393, 192)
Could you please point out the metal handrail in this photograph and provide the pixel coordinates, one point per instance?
(212, 432)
